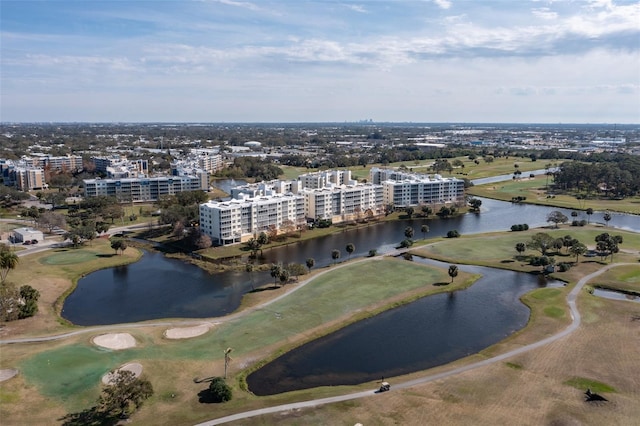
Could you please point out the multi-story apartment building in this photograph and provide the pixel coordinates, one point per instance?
(238, 220)
(145, 189)
(326, 178)
(61, 163)
(118, 167)
(276, 204)
(266, 188)
(29, 178)
(344, 202)
(22, 175)
(404, 189)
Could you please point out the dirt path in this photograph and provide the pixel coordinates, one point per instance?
(576, 321)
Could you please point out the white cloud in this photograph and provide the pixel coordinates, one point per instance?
(356, 8)
(443, 4)
(544, 13)
(242, 4)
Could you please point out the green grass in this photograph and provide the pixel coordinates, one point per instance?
(554, 312)
(70, 257)
(495, 248)
(73, 370)
(584, 383)
(500, 166)
(535, 190)
(513, 365)
(546, 293)
(626, 278)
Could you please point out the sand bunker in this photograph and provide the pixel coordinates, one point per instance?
(115, 341)
(186, 332)
(7, 374)
(134, 367)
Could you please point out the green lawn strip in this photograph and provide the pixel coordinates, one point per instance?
(535, 190)
(71, 257)
(498, 249)
(623, 278)
(583, 383)
(499, 166)
(71, 370)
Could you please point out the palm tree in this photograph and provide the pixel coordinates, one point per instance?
(578, 249)
(607, 218)
(310, 263)
(335, 255)
(521, 248)
(408, 232)
(8, 261)
(453, 272)
(589, 213)
(227, 359)
(424, 229)
(275, 272)
(350, 249)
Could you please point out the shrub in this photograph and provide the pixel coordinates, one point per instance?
(453, 234)
(520, 227)
(220, 390)
(373, 253)
(406, 243)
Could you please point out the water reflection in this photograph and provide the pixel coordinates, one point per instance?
(432, 331)
(163, 288)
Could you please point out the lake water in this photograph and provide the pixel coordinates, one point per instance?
(615, 295)
(157, 287)
(432, 331)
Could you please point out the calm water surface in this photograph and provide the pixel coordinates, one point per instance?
(432, 331)
(615, 295)
(157, 287)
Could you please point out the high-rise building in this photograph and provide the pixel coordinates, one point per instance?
(404, 189)
(238, 220)
(145, 189)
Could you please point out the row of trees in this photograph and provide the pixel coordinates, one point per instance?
(606, 245)
(610, 176)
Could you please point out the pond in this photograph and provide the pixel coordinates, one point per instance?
(432, 331)
(615, 295)
(157, 287)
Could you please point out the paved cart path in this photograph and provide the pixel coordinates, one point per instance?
(575, 323)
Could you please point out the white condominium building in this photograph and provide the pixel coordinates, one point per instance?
(345, 202)
(411, 189)
(144, 189)
(238, 220)
(326, 178)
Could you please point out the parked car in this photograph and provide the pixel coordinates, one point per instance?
(27, 243)
(34, 241)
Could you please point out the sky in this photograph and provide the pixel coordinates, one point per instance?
(461, 61)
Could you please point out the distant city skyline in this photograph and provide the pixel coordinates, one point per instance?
(320, 61)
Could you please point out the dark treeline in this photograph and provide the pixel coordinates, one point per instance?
(251, 167)
(606, 174)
